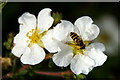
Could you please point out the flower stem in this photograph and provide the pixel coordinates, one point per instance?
(14, 65)
(48, 56)
(58, 74)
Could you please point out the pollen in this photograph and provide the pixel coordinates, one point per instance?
(35, 37)
(77, 49)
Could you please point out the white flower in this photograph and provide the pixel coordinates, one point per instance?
(81, 60)
(33, 37)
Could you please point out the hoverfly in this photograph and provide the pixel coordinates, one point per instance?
(77, 40)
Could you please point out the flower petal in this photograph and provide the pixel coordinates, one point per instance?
(20, 37)
(94, 51)
(81, 64)
(91, 33)
(19, 49)
(33, 55)
(83, 23)
(20, 44)
(49, 43)
(96, 45)
(62, 30)
(24, 29)
(45, 20)
(28, 20)
(63, 57)
(88, 31)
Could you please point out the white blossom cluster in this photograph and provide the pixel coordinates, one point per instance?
(35, 34)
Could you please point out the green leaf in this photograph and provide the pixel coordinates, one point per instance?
(23, 72)
(57, 17)
(7, 45)
(81, 76)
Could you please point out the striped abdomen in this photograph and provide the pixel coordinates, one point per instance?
(78, 40)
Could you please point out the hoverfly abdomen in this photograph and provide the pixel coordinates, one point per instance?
(73, 35)
(78, 40)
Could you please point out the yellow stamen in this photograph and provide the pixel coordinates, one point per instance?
(35, 37)
(77, 49)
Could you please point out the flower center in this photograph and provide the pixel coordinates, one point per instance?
(77, 49)
(35, 37)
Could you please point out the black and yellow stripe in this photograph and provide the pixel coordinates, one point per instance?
(78, 40)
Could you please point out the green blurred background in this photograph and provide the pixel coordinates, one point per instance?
(105, 15)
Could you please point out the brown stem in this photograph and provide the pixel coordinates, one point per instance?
(10, 74)
(23, 68)
(59, 74)
(48, 56)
